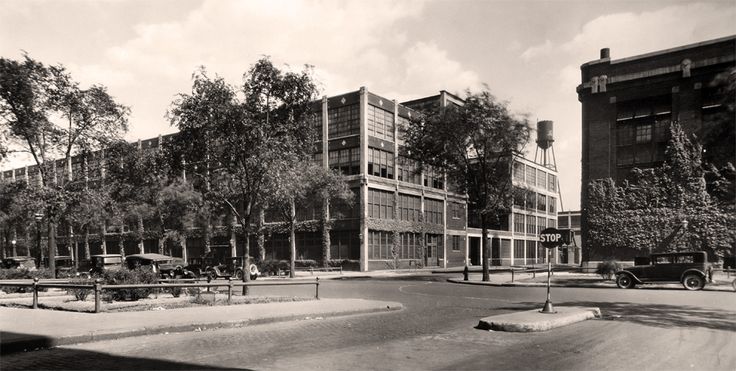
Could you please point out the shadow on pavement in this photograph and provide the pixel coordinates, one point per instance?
(659, 315)
(426, 278)
(73, 359)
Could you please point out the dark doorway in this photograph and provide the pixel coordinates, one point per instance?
(474, 251)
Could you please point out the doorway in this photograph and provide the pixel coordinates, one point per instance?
(474, 251)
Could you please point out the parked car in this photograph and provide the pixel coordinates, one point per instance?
(166, 266)
(689, 268)
(231, 267)
(99, 264)
(19, 262)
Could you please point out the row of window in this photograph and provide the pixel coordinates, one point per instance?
(344, 121)
(381, 245)
(380, 123)
(346, 160)
(642, 140)
(534, 177)
(533, 225)
(380, 163)
(530, 200)
(408, 171)
(381, 206)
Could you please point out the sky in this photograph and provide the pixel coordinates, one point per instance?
(527, 52)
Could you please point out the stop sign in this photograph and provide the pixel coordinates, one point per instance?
(552, 237)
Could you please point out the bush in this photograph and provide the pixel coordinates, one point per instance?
(306, 263)
(22, 274)
(607, 269)
(273, 266)
(80, 294)
(136, 276)
(347, 265)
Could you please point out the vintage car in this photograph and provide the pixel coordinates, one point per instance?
(166, 266)
(231, 267)
(99, 264)
(689, 268)
(19, 262)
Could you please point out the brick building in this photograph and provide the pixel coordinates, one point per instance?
(628, 104)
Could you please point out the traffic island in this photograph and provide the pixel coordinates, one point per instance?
(535, 320)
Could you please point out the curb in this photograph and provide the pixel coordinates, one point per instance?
(39, 341)
(534, 321)
(535, 284)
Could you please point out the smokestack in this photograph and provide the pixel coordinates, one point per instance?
(605, 53)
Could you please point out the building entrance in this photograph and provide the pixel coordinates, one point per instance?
(474, 251)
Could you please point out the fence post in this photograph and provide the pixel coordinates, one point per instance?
(35, 292)
(316, 289)
(98, 294)
(229, 290)
(512, 275)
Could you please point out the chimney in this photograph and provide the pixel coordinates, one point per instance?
(605, 53)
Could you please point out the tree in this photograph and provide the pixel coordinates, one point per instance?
(32, 98)
(474, 144)
(244, 139)
(648, 211)
(297, 183)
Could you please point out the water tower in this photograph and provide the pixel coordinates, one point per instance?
(545, 138)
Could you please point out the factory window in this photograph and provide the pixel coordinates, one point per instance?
(518, 251)
(518, 172)
(552, 183)
(541, 224)
(380, 163)
(531, 178)
(380, 204)
(410, 207)
(344, 121)
(455, 243)
(433, 211)
(408, 171)
(380, 123)
(519, 223)
(347, 160)
(541, 202)
(315, 122)
(552, 205)
(409, 245)
(531, 224)
(380, 244)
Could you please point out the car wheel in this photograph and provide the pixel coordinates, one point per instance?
(625, 281)
(253, 277)
(693, 282)
(239, 275)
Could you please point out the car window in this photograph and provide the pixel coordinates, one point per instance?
(663, 259)
(683, 259)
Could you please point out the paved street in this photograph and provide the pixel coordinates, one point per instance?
(641, 329)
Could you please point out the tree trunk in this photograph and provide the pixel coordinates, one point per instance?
(261, 236)
(292, 238)
(86, 244)
(103, 238)
(121, 244)
(183, 242)
(52, 247)
(486, 246)
(141, 244)
(208, 235)
(246, 256)
(326, 228)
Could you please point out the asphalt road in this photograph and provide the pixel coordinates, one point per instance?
(641, 329)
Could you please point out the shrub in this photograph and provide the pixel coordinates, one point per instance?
(130, 277)
(272, 266)
(22, 274)
(607, 269)
(348, 265)
(80, 294)
(307, 263)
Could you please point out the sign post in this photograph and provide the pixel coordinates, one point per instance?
(551, 238)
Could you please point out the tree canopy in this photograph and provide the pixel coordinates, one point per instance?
(474, 144)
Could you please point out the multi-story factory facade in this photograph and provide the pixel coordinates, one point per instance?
(628, 105)
(402, 216)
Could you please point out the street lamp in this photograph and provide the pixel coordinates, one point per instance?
(13, 242)
(39, 217)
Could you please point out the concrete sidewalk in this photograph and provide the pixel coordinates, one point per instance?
(28, 329)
